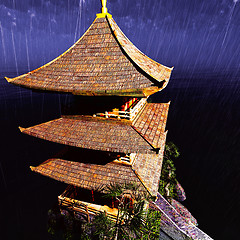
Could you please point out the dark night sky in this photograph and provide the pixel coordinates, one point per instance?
(191, 35)
(194, 36)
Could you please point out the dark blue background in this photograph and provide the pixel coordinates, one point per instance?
(192, 35)
(199, 38)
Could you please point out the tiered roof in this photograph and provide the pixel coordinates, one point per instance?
(145, 169)
(88, 176)
(145, 134)
(102, 62)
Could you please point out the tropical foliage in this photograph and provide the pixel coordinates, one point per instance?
(66, 226)
(131, 213)
(152, 226)
(133, 220)
(168, 179)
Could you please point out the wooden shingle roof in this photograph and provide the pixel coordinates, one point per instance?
(148, 168)
(102, 62)
(108, 134)
(151, 122)
(145, 170)
(88, 176)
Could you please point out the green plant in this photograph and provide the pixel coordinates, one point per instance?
(168, 181)
(152, 225)
(131, 213)
(66, 226)
(103, 227)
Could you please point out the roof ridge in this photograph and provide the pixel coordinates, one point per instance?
(147, 140)
(130, 55)
(135, 166)
(142, 182)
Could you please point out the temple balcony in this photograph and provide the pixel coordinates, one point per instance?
(128, 111)
(91, 204)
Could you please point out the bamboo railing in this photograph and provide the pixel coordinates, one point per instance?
(87, 209)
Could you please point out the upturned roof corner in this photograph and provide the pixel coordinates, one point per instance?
(103, 62)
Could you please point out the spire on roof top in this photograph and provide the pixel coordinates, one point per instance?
(104, 10)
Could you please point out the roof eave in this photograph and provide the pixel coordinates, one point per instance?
(145, 92)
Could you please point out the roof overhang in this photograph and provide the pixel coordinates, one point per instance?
(103, 62)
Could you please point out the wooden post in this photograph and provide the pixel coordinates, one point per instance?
(88, 218)
(106, 114)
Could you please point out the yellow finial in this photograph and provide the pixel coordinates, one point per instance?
(104, 4)
(104, 10)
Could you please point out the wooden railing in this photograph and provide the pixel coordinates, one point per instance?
(87, 209)
(126, 158)
(130, 115)
(117, 114)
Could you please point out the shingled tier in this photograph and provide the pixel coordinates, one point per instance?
(145, 134)
(102, 62)
(145, 170)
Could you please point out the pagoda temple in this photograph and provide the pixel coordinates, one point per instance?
(120, 140)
